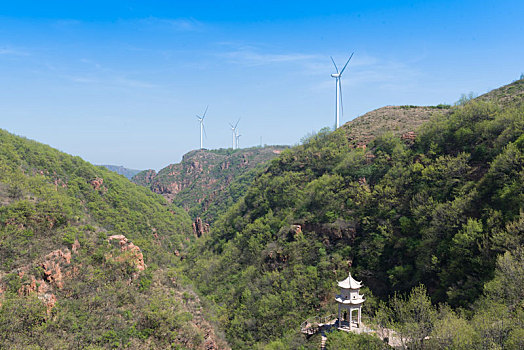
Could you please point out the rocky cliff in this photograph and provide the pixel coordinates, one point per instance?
(203, 175)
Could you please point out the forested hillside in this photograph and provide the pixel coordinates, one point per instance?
(200, 182)
(87, 258)
(437, 206)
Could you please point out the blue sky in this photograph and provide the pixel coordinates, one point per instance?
(120, 82)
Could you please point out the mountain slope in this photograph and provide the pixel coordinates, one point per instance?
(200, 181)
(87, 257)
(434, 206)
(129, 173)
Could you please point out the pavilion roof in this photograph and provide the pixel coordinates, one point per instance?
(350, 283)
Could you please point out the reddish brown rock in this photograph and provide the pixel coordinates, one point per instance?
(410, 135)
(209, 171)
(127, 246)
(53, 273)
(149, 176)
(200, 228)
(75, 246)
(49, 300)
(296, 229)
(60, 254)
(97, 183)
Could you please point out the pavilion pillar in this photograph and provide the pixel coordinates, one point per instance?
(350, 317)
(359, 316)
(339, 320)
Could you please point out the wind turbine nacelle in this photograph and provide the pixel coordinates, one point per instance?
(335, 75)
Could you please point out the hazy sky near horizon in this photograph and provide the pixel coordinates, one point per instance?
(120, 82)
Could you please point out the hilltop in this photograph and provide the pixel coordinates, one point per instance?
(399, 120)
(508, 95)
(201, 180)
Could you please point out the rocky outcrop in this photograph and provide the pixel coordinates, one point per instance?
(202, 174)
(296, 229)
(410, 135)
(200, 228)
(55, 268)
(97, 183)
(134, 254)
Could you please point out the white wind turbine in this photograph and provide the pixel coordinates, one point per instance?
(202, 129)
(237, 138)
(233, 133)
(338, 104)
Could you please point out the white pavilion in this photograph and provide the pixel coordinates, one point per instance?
(349, 300)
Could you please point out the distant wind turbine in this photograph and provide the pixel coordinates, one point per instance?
(338, 105)
(233, 133)
(202, 129)
(237, 137)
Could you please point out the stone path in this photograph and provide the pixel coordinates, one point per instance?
(393, 338)
(323, 341)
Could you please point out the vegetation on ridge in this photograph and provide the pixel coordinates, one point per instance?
(436, 210)
(207, 182)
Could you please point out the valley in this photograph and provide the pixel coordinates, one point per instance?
(236, 248)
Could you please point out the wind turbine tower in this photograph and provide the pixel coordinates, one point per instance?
(338, 96)
(202, 129)
(237, 137)
(233, 133)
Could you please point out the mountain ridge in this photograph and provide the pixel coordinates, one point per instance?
(121, 170)
(200, 178)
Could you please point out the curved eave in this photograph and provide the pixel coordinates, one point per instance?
(345, 301)
(350, 283)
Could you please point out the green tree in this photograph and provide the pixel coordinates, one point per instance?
(413, 317)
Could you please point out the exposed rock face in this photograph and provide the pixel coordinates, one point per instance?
(56, 267)
(410, 135)
(53, 273)
(144, 178)
(137, 257)
(75, 246)
(200, 228)
(203, 174)
(296, 229)
(97, 183)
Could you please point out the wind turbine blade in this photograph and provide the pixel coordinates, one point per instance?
(332, 60)
(205, 112)
(346, 63)
(204, 128)
(237, 123)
